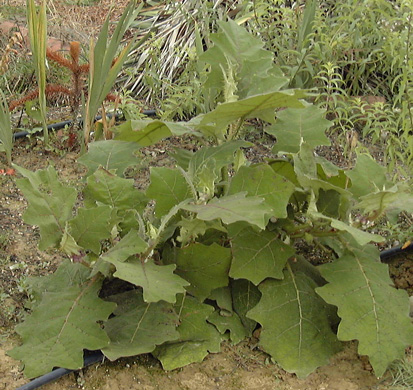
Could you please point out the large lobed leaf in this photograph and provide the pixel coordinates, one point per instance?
(50, 204)
(64, 324)
(205, 267)
(260, 106)
(138, 327)
(158, 282)
(371, 310)
(258, 255)
(237, 49)
(196, 336)
(111, 155)
(91, 226)
(168, 187)
(234, 208)
(261, 180)
(146, 132)
(295, 327)
(104, 187)
(295, 125)
(367, 176)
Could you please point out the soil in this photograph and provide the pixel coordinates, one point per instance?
(237, 367)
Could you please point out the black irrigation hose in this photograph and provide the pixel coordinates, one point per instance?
(388, 255)
(61, 125)
(96, 357)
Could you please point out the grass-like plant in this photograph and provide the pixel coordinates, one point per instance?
(37, 25)
(6, 131)
(105, 66)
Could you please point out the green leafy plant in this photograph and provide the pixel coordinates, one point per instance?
(37, 25)
(6, 131)
(211, 249)
(105, 66)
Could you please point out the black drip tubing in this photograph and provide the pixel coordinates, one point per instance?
(388, 255)
(96, 357)
(61, 125)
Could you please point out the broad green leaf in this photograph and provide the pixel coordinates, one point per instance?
(361, 237)
(182, 157)
(285, 168)
(236, 48)
(378, 202)
(64, 324)
(168, 187)
(261, 180)
(215, 122)
(205, 267)
(190, 229)
(91, 226)
(103, 187)
(231, 323)
(295, 125)
(196, 339)
(158, 281)
(258, 255)
(328, 203)
(68, 244)
(234, 208)
(111, 155)
(306, 169)
(371, 310)
(149, 132)
(131, 244)
(68, 273)
(138, 327)
(295, 328)
(222, 155)
(50, 204)
(367, 176)
(223, 298)
(245, 296)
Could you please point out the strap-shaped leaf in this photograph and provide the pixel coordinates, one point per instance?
(258, 255)
(138, 327)
(158, 281)
(50, 204)
(196, 336)
(111, 154)
(234, 208)
(61, 327)
(261, 180)
(295, 327)
(371, 310)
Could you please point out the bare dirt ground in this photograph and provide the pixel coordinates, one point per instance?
(236, 367)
